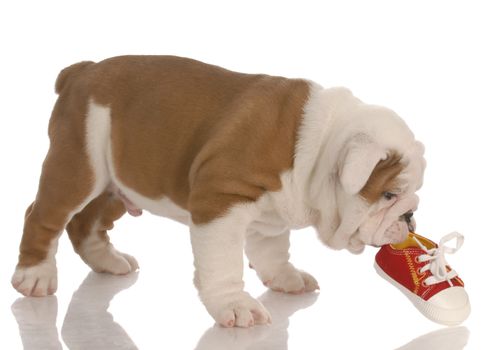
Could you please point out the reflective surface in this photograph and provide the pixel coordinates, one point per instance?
(89, 325)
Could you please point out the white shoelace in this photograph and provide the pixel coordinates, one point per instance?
(437, 262)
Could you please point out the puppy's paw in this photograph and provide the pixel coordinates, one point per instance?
(110, 260)
(37, 281)
(291, 280)
(237, 310)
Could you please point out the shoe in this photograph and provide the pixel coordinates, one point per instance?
(418, 268)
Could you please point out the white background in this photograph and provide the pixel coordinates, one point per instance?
(436, 63)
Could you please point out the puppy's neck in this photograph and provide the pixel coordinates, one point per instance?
(319, 141)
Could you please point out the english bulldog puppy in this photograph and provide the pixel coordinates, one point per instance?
(241, 159)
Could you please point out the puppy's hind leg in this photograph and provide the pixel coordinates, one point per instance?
(88, 234)
(269, 257)
(66, 186)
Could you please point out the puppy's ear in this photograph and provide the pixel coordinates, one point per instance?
(361, 157)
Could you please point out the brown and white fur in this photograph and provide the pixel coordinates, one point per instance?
(242, 159)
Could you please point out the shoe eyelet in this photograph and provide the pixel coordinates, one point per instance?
(420, 273)
(425, 285)
(417, 260)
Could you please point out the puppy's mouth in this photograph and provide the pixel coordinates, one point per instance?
(398, 231)
(388, 225)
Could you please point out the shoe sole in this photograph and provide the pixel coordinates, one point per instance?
(434, 313)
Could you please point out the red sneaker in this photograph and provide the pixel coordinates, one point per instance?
(418, 268)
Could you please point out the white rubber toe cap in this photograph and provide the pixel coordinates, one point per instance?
(450, 298)
(450, 306)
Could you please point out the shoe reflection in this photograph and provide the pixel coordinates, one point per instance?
(454, 338)
(87, 324)
(268, 337)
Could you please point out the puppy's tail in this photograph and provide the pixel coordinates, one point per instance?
(69, 73)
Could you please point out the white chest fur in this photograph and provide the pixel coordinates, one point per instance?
(284, 209)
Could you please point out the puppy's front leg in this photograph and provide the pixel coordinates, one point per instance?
(218, 260)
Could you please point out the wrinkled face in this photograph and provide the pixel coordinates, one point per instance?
(389, 202)
(376, 193)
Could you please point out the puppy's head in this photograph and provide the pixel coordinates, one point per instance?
(379, 169)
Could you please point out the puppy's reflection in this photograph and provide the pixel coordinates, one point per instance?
(36, 318)
(272, 337)
(87, 325)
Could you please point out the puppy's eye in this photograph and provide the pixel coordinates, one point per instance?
(388, 195)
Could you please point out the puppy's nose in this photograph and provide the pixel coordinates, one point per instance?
(407, 216)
